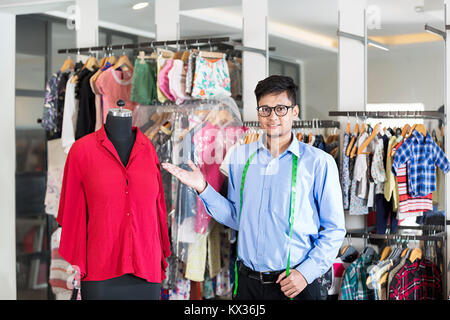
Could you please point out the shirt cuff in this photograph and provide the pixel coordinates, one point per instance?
(309, 270)
(206, 194)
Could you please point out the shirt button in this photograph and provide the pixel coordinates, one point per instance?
(128, 213)
(126, 192)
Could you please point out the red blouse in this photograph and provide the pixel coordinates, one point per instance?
(113, 218)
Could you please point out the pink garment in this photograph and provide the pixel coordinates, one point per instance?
(114, 85)
(177, 81)
(211, 144)
(163, 79)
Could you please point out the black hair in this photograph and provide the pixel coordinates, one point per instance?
(275, 85)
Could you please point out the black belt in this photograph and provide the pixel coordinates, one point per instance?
(263, 277)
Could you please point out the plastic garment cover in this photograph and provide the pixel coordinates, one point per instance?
(201, 131)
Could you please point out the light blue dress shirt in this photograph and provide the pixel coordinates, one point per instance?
(263, 243)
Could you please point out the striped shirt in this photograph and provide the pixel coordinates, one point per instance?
(422, 155)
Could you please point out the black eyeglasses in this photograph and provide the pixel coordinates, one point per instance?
(280, 110)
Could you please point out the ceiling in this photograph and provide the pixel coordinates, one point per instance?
(318, 18)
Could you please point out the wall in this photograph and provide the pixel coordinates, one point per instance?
(7, 159)
(407, 74)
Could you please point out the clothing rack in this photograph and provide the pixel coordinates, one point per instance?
(367, 235)
(204, 42)
(390, 114)
(143, 45)
(303, 124)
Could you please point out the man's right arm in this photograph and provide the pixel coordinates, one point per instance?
(223, 210)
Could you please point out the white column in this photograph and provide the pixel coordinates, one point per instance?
(254, 34)
(352, 70)
(167, 19)
(8, 158)
(447, 137)
(87, 23)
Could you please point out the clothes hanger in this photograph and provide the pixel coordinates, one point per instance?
(421, 129)
(385, 253)
(352, 141)
(123, 61)
(369, 140)
(68, 64)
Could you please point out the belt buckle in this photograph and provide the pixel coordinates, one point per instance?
(261, 279)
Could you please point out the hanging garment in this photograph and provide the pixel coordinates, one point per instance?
(163, 79)
(360, 171)
(70, 116)
(390, 186)
(176, 84)
(98, 97)
(86, 107)
(196, 260)
(211, 144)
(61, 272)
(115, 85)
(384, 214)
(61, 97)
(418, 280)
(127, 227)
(354, 285)
(377, 167)
(358, 206)
(395, 269)
(143, 87)
(190, 71)
(410, 206)
(211, 79)
(422, 155)
(50, 113)
(56, 158)
(375, 274)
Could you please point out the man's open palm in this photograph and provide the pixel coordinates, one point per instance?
(193, 179)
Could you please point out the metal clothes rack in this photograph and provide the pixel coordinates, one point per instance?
(227, 41)
(390, 114)
(303, 124)
(367, 235)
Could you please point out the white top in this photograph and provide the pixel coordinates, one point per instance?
(69, 117)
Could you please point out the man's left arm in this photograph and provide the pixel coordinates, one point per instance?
(328, 196)
(328, 199)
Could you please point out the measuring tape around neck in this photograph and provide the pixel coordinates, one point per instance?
(291, 212)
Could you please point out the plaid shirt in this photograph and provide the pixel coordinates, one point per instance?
(421, 155)
(418, 280)
(354, 283)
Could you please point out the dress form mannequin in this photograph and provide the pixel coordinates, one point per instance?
(118, 128)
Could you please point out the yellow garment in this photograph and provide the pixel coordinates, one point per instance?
(196, 260)
(159, 63)
(390, 185)
(214, 249)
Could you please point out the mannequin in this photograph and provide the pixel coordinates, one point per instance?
(119, 131)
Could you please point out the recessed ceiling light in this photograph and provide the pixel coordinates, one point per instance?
(419, 9)
(140, 5)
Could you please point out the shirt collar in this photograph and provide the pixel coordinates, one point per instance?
(416, 134)
(294, 147)
(140, 138)
(139, 143)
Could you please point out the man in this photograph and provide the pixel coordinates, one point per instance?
(292, 212)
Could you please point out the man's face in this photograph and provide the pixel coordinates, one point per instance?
(274, 125)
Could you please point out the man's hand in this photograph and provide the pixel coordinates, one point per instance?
(293, 284)
(193, 179)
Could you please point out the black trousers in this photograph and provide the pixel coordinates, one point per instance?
(126, 287)
(252, 289)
